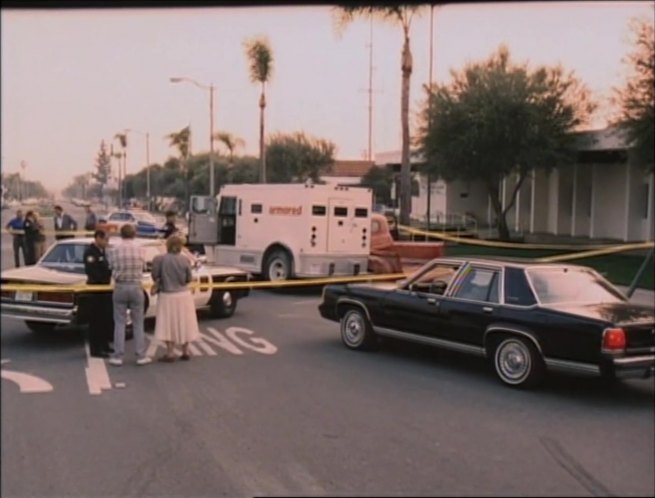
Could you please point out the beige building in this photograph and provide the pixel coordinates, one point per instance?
(602, 196)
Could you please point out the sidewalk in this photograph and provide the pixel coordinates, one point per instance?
(641, 296)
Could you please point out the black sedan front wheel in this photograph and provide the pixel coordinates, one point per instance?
(517, 362)
(356, 332)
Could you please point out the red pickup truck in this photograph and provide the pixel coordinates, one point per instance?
(393, 256)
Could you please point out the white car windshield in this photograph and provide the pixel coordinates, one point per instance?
(65, 257)
(571, 286)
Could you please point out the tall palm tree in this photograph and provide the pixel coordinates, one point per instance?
(231, 143)
(401, 15)
(260, 66)
(181, 140)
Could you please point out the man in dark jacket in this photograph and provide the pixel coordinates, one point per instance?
(16, 229)
(91, 220)
(169, 227)
(99, 307)
(64, 223)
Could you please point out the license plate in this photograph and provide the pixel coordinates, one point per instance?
(23, 296)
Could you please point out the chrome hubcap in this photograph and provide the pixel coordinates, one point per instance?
(513, 361)
(227, 299)
(354, 329)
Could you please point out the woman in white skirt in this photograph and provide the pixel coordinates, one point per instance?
(176, 321)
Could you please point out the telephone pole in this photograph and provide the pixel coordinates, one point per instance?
(370, 91)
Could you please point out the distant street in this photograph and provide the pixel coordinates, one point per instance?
(272, 403)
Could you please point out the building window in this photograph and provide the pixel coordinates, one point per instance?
(256, 208)
(341, 212)
(361, 212)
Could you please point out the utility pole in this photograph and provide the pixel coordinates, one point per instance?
(428, 179)
(370, 91)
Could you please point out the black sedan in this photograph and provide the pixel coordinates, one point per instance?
(526, 317)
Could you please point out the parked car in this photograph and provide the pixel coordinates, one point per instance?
(525, 317)
(146, 225)
(63, 265)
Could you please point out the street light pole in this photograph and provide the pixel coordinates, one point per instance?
(147, 135)
(212, 183)
(211, 89)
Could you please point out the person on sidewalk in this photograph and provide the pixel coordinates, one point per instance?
(99, 303)
(91, 221)
(176, 321)
(64, 223)
(31, 234)
(127, 263)
(39, 237)
(169, 227)
(16, 227)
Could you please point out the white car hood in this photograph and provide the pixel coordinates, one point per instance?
(41, 274)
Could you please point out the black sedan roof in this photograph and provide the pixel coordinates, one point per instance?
(513, 261)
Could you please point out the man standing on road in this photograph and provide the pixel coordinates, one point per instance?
(91, 221)
(64, 223)
(127, 261)
(169, 227)
(16, 228)
(99, 303)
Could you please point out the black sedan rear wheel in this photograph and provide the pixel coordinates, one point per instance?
(517, 362)
(356, 331)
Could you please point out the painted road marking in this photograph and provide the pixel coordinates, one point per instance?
(28, 384)
(306, 301)
(97, 376)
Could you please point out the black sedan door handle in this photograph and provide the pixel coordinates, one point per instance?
(487, 309)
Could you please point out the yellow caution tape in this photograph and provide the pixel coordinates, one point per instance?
(80, 233)
(598, 252)
(212, 285)
(508, 245)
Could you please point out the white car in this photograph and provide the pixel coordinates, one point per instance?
(63, 264)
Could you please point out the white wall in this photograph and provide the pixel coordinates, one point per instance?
(437, 199)
(475, 200)
(552, 201)
(609, 208)
(343, 180)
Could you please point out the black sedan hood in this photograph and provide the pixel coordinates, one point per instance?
(616, 313)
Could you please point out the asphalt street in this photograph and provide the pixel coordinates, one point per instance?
(272, 404)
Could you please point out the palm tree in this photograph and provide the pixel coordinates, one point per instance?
(400, 15)
(260, 65)
(231, 143)
(181, 140)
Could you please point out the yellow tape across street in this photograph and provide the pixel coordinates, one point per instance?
(216, 285)
(597, 252)
(78, 233)
(508, 245)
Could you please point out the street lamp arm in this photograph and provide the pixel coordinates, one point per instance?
(180, 79)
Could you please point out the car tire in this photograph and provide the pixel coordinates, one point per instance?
(517, 362)
(40, 327)
(278, 266)
(356, 330)
(222, 304)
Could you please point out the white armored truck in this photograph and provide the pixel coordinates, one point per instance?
(282, 231)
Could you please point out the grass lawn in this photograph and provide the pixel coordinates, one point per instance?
(619, 269)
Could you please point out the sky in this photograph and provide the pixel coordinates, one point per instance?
(71, 78)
